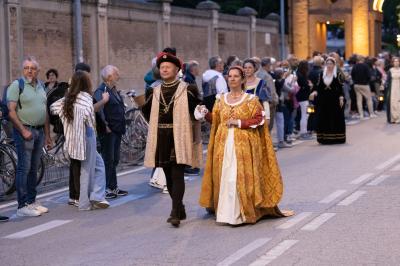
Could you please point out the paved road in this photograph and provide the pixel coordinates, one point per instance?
(345, 197)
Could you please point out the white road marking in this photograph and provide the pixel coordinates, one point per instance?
(317, 222)
(274, 253)
(396, 168)
(361, 179)
(333, 196)
(295, 220)
(352, 198)
(243, 251)
(125, 199)
(131, 171)
(38, 229)
(388, 162)
(378, 180)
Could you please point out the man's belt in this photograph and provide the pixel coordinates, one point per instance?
(35, 127)
(165, 125)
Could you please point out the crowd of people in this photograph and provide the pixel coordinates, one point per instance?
(243, 100)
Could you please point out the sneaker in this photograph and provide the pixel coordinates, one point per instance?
(155, 184)
(192, 171)
(73, 202)
(282, 145)
(364, 118)
(110, 194)
(4, 219)
(373, 116)
(120, 192)
(40, 208)
(28, 210)
(100, 204)
(305, 136)
(165, 190)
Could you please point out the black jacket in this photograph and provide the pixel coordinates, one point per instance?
(305, 89)
(113, 112)
(361, 74)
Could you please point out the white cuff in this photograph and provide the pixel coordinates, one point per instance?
(239, 123)
(266, 110)
(198, 115)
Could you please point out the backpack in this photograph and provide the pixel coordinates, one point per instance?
(210, 87)
(4, 106)
(54, 95)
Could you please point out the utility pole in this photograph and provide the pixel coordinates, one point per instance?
(283, 48)
(77, 12)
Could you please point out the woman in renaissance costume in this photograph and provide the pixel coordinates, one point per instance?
(393, 92)
(242, 182)
(329, 109)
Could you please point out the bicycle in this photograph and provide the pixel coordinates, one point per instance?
(134, 139)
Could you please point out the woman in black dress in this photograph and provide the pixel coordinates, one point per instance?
(331, 127)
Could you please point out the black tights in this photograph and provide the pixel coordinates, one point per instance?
(175, 183)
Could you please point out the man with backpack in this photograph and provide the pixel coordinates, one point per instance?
(213, 81)
(26, 100)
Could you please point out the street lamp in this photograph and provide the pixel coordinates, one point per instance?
(282, 29)
(398, 39)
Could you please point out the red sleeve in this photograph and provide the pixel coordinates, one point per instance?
(208, 117)
(255, 120)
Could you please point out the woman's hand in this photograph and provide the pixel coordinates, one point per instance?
(341, 101)
(232, 123)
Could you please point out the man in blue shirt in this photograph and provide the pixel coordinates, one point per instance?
(111, 127)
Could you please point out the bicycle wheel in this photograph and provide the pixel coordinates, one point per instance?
(40, 172)
(8, 169)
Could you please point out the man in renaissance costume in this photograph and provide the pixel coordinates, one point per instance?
(172, 142)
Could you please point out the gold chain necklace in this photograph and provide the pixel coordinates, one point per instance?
(171, 84)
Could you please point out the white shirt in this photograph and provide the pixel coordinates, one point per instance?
(221, 85)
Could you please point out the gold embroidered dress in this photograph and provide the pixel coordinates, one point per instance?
(242, 181)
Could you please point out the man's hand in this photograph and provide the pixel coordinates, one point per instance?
(108, 130)
(105, 97)
(27, 134)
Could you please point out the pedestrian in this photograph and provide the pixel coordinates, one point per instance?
(77, 113)
(266, 73)
(171, 142)
(257, 87)
(112, 115)
(213, 81)
(191, 72)
(242, 181)
(27, 112)
(302, 96)
(75, 165)
(393, 92)
(330, 123)
(361, 76)
(55, 90)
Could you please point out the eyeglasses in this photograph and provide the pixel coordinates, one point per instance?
(30, 68)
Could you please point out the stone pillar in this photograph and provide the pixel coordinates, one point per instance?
(300, 28)
(165, 23)
(4, 70)
(213, 7)
(14, 44)
(251, 39)
(360, 27)
(102, 32)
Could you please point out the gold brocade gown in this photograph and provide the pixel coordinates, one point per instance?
(258, 179)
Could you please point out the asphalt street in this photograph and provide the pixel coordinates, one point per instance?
(346, 199)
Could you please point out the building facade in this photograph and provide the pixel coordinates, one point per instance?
(308, 20)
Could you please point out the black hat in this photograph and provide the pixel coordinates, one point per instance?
(166, 57)
(83, 67)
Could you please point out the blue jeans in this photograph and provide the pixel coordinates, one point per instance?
(110, 151)
(29, 153)
(93, 180)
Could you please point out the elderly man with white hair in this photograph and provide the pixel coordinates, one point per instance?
(110, 128)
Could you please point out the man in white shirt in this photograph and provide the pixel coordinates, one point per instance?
(213, 82)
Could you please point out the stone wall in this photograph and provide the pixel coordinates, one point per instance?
(125, 34)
